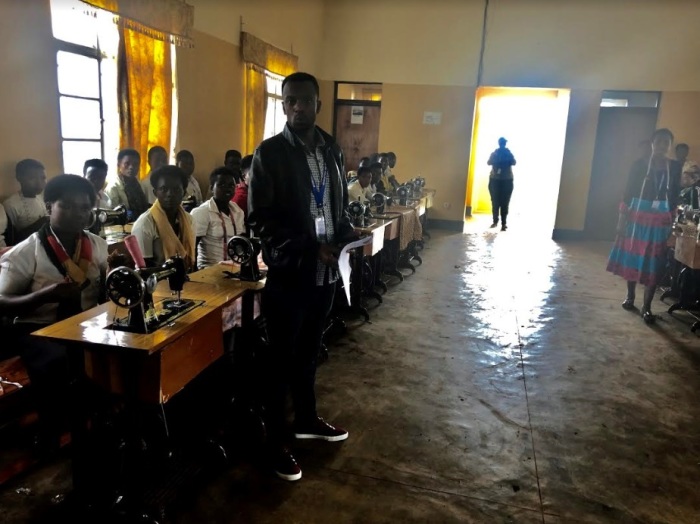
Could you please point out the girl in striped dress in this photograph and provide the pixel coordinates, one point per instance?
(646, 217)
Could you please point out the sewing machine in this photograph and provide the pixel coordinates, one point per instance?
(108, 217)
(133, 289)
(244, 251)
(356, 210)
(381, 202)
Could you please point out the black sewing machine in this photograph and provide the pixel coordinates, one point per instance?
(356, 210)
(402, 193)
(133, 289)
(380, 201)
(108, 217)
(244, 251)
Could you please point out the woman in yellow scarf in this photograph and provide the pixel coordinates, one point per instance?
(166, 229)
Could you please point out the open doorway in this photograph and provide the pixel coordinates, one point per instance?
(534, 123)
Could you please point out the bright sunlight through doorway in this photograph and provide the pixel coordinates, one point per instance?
(534, 123)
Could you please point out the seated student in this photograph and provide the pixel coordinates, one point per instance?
(241, 195)
(95, 171)
(55, 273)
(26, 210)
(377, 182)
(386, 180)
(217, 220)
(391, 157)
(166, 229)
(361, 189)
(185, 161)
(157, 157)
(126, 189)
(233, 160)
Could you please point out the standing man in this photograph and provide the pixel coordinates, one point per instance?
(296, 205)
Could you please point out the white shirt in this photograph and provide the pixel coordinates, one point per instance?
(194, 190)
(27, 268)
(357, 192)
(146, 232)
(103, 200)
(3, 225)
(148, 189)
(209, 224)
(23, 211)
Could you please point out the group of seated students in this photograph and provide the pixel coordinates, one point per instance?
(55, 268)
(374, 175)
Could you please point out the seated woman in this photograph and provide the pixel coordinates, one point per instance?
(55, 273)
(165, 230)
(218, 219)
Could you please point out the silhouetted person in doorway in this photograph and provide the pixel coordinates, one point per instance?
(501, 182)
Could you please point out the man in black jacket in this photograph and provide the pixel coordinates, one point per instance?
(296, 205)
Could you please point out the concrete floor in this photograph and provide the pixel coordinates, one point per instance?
(501, 383)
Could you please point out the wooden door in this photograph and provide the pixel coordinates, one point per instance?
(357, 131)
(620, 130)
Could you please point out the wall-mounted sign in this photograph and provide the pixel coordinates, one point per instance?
(431, 118)
(358, 115)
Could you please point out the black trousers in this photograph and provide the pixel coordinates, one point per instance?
(296, 318)
(500, 191)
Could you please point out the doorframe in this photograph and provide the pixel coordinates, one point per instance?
(345, 102)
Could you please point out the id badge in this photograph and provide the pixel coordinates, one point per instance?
(320, 224)
(656, 204)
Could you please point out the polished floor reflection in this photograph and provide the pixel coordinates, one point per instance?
(501, 383)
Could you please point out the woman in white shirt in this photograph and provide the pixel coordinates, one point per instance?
(218, 219)
(55, 273)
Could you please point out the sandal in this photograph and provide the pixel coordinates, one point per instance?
(648, 317)
(628, 304)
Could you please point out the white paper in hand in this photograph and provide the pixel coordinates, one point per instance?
(344, 262)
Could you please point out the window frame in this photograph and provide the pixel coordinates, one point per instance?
(89, 52)
(277, 98)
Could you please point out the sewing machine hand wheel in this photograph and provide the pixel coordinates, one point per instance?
(125, 287)
(378, 199)
(240, 250)
(356, 208)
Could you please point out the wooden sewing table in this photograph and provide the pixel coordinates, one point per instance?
(361, 286)
(153, 367)
(146, 371)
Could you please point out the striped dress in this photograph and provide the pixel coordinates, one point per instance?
(639, 253)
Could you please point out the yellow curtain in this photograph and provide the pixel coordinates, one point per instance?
(167, 20)
(255, 106)
(260, 56)
(145, 92)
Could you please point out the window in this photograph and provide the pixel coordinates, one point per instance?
(630, 99)
(351, 91)
(274, 117)
(87, 42)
